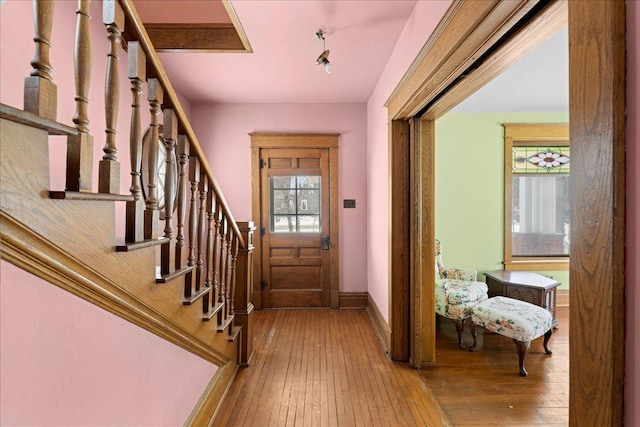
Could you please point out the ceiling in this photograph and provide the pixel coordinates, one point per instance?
(539, 82)
(361, 34)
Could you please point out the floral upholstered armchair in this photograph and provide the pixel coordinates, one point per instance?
(457, 292)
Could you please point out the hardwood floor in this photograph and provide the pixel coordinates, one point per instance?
(325, 368)
(484, 389)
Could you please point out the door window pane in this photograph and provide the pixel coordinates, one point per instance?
(295, 204)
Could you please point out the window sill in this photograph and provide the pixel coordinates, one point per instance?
(535, 264)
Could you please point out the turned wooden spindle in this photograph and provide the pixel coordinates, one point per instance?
(40, 93)
(135, 209)
(109, 172)
(209, 298)
(228, 271)
(170, 134)
(82, 65)
(183, 158)
(210, 238)
(235, 243)
(194, 179)
(137, 75)
(217, 251)
(151, 213)
(80, 146)
(223, 269)
(202, 228)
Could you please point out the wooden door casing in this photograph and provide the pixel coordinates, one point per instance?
(597, 111)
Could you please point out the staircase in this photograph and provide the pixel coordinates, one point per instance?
(182, 268)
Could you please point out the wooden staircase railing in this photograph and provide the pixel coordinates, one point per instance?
(212, 258)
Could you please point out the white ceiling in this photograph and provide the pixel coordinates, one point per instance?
(537, 83)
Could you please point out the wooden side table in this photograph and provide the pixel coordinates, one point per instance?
(524, 286)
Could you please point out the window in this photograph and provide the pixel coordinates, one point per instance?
(537, 165)
(295, 204)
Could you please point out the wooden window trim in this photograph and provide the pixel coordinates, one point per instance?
(522, 134)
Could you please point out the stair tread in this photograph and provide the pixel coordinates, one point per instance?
(81, 195)
(164, 278)
(226, 322)
(214, 310)
(132, 246)
(234, 333)
(195, 297)
(33, 120)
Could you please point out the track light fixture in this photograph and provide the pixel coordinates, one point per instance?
(324, 56)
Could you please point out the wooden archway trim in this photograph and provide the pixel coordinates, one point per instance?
(443, 74)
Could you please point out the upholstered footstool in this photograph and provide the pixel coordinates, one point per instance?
(519, 320)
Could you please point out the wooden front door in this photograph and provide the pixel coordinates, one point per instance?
(296, 227)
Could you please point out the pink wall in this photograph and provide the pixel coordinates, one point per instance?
(223, 132)
(55, 369)
(419, 27)
(632, 368)
(65, 362)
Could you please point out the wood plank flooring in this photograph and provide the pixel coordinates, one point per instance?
(484, 389)
(325, 368)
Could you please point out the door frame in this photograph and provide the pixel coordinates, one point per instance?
(454, 64)
(328, 141)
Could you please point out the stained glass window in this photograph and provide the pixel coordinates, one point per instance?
(537, 160)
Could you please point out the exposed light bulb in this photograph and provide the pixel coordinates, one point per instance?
(328, 67)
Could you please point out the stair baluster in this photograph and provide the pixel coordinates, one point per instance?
(209, 299)
(202, 226)
(194, 178)
(223, 271)
(170, 133)
(109, 169)
(134, 231)
(183, 158)
(228, 272)
(80, 146)
(40, 92)
(151, 213)
(232, 276)
(217, 253)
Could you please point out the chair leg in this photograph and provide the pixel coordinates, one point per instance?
(460, 330)
(523, 349)
(547, 335)
(474, 335)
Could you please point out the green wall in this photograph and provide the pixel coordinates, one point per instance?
(470, 187)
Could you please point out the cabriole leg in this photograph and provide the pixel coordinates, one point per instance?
(474, 335)
(523, 349)
(460, 330)
(547, 336)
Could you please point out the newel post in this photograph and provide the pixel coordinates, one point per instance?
(242, 305)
